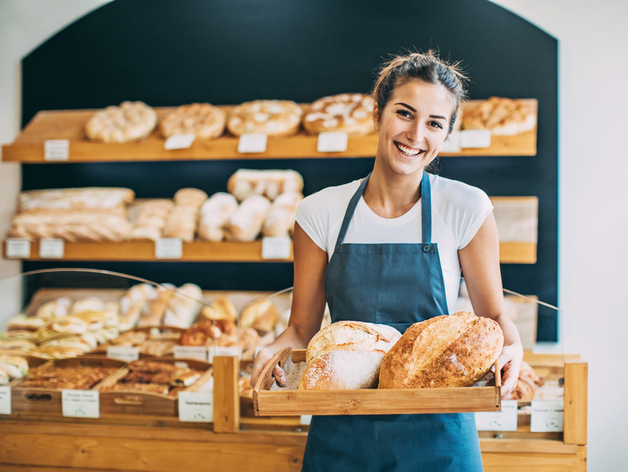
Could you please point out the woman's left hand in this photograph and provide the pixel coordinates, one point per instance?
(510, 364)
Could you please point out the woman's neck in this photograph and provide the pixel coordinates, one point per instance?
(391, 196)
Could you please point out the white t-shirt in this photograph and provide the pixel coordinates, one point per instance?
(458, 211)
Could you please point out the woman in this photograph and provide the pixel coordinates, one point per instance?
(390, 249)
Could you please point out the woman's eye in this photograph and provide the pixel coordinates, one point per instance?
(436, 124)
(404, 113)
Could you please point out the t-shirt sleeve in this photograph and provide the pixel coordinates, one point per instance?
(477, 206)
(313, 219)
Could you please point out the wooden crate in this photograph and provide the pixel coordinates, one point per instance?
(367, 401)
(145, 403)
(48, 400)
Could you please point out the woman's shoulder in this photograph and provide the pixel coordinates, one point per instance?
(455, 194)
(329, 200)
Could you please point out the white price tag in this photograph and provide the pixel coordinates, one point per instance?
(190, 352)
(253, 142)
(332, 142)
(196, 407)
(452, 144)
(123, 353)
(475, 138)
(80, 403)
(305, 419)
(5, 400)
(505, 420)
(51, 248)
(223, 351)
(547, 416)
(179, 141)
(18, 248)
(276, 248)
(56, 150)
(168, 248)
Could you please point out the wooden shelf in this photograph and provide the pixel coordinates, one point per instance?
(204, 251)
(28, 147)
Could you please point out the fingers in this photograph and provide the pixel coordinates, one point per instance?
(280, 376)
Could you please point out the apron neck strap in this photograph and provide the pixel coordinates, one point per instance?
(426, 210)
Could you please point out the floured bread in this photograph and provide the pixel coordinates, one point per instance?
(502, 116)
(128, 122)
(201, 119)
(347, 355)
(444, 351)
(351, 113)
(270, 117)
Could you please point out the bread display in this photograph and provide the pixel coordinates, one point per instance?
(280, 218)
(245, 224)
(502, 116)
(11, 368)
(118, 124)
(153, 311)
(151, 219)
(347, 355)
(444, 351)
(270, 117)
(79, 378)
(260, 315)
(269, 183)
(200, 119)
(351, 113)
(183, 308)
(214, 213)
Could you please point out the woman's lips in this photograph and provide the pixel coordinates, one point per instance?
(408, 151)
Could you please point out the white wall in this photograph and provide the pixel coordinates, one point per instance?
(593, 165)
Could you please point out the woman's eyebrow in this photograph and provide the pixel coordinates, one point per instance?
(412, 109)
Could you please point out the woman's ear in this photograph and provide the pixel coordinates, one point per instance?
(376, 117)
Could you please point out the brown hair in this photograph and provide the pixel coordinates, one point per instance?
(428, 68)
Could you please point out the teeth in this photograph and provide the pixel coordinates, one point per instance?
(407, 151)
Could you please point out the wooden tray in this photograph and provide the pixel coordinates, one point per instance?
(284, 402)
(48, 400)
(146, 403)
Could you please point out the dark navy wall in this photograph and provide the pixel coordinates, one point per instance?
(168, 53)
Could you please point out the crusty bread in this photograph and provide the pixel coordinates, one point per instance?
(280, 219)
(270, 183)
(270, 117)
(201, 119)
(502, 116)
(444, 351)
(247, 220)
(351, 113)
(215, 212)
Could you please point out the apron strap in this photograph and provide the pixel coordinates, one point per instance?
(426, 210)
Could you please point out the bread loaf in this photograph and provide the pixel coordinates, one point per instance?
(347, 355)
(215, 212)
(444, 351)
(280, 219)
(270, 183)
(246, 222)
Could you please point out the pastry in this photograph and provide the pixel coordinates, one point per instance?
(260, 315)
(118, 124)
(270, 117)
(184, 306)
(214, 213)
(502, 116)
(445, 351)
(151, 219)
(153, 311)
(270, 183)
(351, 113)
(280, 219)
(190, 197)
(201, 119)
(246, 222)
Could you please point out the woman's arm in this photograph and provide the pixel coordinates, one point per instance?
(308, 303)
(480, 266)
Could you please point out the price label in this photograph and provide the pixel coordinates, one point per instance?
(253, 142)
(196, 407)
(5, 400)
(452, 144)
(18, 248)
(51, 248)
(276, 248)
(547, 416)
(305, 419)
(179, 141)
(332, 142)
(123, 353)
(190, 352)
(56, 150)
(475, 138)
(80, 403)
(168, 248)
(223, 351)
(505, 420)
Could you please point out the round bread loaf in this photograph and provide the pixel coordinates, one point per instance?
(444, 351)
(201, 119)
(118, 124)
(502, 116)
(351, 113)
(270, 117)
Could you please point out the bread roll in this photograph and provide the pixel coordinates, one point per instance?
(270, 183)
(280, 219)
(444, 351)
(246, 222)
(260, 315)
(184, 306)
(215, 212)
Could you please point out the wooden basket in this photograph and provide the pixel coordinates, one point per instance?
(48, 400)
(147, 403)
(284, 402)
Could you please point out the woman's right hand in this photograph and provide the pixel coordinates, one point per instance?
(262, 358)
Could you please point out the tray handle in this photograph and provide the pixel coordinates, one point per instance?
(38, 397)
(266, 379)
(128, 400)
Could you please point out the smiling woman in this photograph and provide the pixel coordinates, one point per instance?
(390, 249)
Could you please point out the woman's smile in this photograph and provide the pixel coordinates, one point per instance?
(407, 150)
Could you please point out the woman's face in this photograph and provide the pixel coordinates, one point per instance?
(413, 126)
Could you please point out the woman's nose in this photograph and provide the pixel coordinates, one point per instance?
(415, 133)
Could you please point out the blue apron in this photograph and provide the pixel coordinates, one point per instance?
(397, 285)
